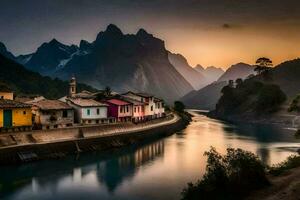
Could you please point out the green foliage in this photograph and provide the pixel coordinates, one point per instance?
(263, 67)
(294, 106)
(270, 97)
(25, 82)
(228, 177)
(290, 163)
(249, 96)
(179, 106)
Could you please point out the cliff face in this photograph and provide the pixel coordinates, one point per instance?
(124, 62)
(195, 78)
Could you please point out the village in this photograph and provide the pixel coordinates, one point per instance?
(77, 109)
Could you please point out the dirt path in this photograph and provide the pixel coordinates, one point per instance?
(284, 187)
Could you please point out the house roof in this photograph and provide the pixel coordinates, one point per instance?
(5, 103)
(51, 105)
(157, 99)
(118, 102)
(133, 101)
(86, 102)
(141, 94)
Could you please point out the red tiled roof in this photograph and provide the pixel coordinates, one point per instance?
(118, 102)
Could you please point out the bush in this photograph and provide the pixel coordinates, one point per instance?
(290, 163)
(270, 98)
(228, 177)
(179, 106)
(294, 105)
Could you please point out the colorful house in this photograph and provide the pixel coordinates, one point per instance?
(145, 98)
(138, 109)
(15, 115)
(121, 110)
(89, 111)
(6, 94)
(52, 114)
(159, 110)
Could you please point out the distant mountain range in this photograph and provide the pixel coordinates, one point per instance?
(25, 82)
(210, 73)
(137, 62)
(195, 78)
(207, 97)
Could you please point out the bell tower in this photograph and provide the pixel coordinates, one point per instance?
(72, 91)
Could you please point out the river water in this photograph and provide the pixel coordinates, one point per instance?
(153, 170)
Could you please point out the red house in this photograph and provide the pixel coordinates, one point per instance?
(119, 109)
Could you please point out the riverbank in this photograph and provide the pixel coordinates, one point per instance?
(51, 144)
(286, 186)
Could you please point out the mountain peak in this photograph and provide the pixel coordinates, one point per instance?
(111, 28)
(143, 33)
(54, 41)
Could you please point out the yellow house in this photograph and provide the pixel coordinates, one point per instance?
(6, 95)
(15, 114)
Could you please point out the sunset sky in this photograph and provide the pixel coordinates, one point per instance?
(206, 32)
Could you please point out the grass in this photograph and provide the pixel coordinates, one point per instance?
(290, 163)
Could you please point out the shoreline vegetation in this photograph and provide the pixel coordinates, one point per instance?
(241, 175)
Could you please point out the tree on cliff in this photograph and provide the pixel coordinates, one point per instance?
(263, 66)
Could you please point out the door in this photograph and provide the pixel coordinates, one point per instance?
(7, 118)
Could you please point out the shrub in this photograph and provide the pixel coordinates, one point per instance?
(290, 163)
(228, 177)
(294, 105)
(179, 106)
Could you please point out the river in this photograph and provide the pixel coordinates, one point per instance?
(157, 169)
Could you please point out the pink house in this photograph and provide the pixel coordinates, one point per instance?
(138, 109)
(119, 109)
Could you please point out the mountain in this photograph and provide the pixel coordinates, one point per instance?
(23, 81)
(49, 57)
(195, 78)
(286, 75)
(211, 73)
(205, 98)
(239, 70)
(5, 52)
(137, 62)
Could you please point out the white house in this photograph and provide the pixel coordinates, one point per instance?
(159, 108)
(89, 111)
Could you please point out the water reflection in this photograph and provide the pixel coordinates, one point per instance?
(110, 169)
(154, 170)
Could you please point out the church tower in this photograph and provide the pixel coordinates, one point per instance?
(72, 91)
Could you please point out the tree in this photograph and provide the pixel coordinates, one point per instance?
(179, 106)
(107, 91)
(231, 176)
(239, 82)
(263, 66)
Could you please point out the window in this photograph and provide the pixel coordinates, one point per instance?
(138, 109)
(65, 114)
(98, 111)
(88, 111)
(24, 112)
(135, 109)
(1, 97)
(151, 108)
(127, 108)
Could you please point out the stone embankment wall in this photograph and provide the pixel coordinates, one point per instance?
(36, 145)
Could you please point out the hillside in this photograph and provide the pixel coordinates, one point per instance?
(195, 78)
(137, 62)
(239, 70)
(23, 81)
(211, 73)
(205, 98)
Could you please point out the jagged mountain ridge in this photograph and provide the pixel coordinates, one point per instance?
(239, 70)
(195, 78)
(211, 73)
(137, 62)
